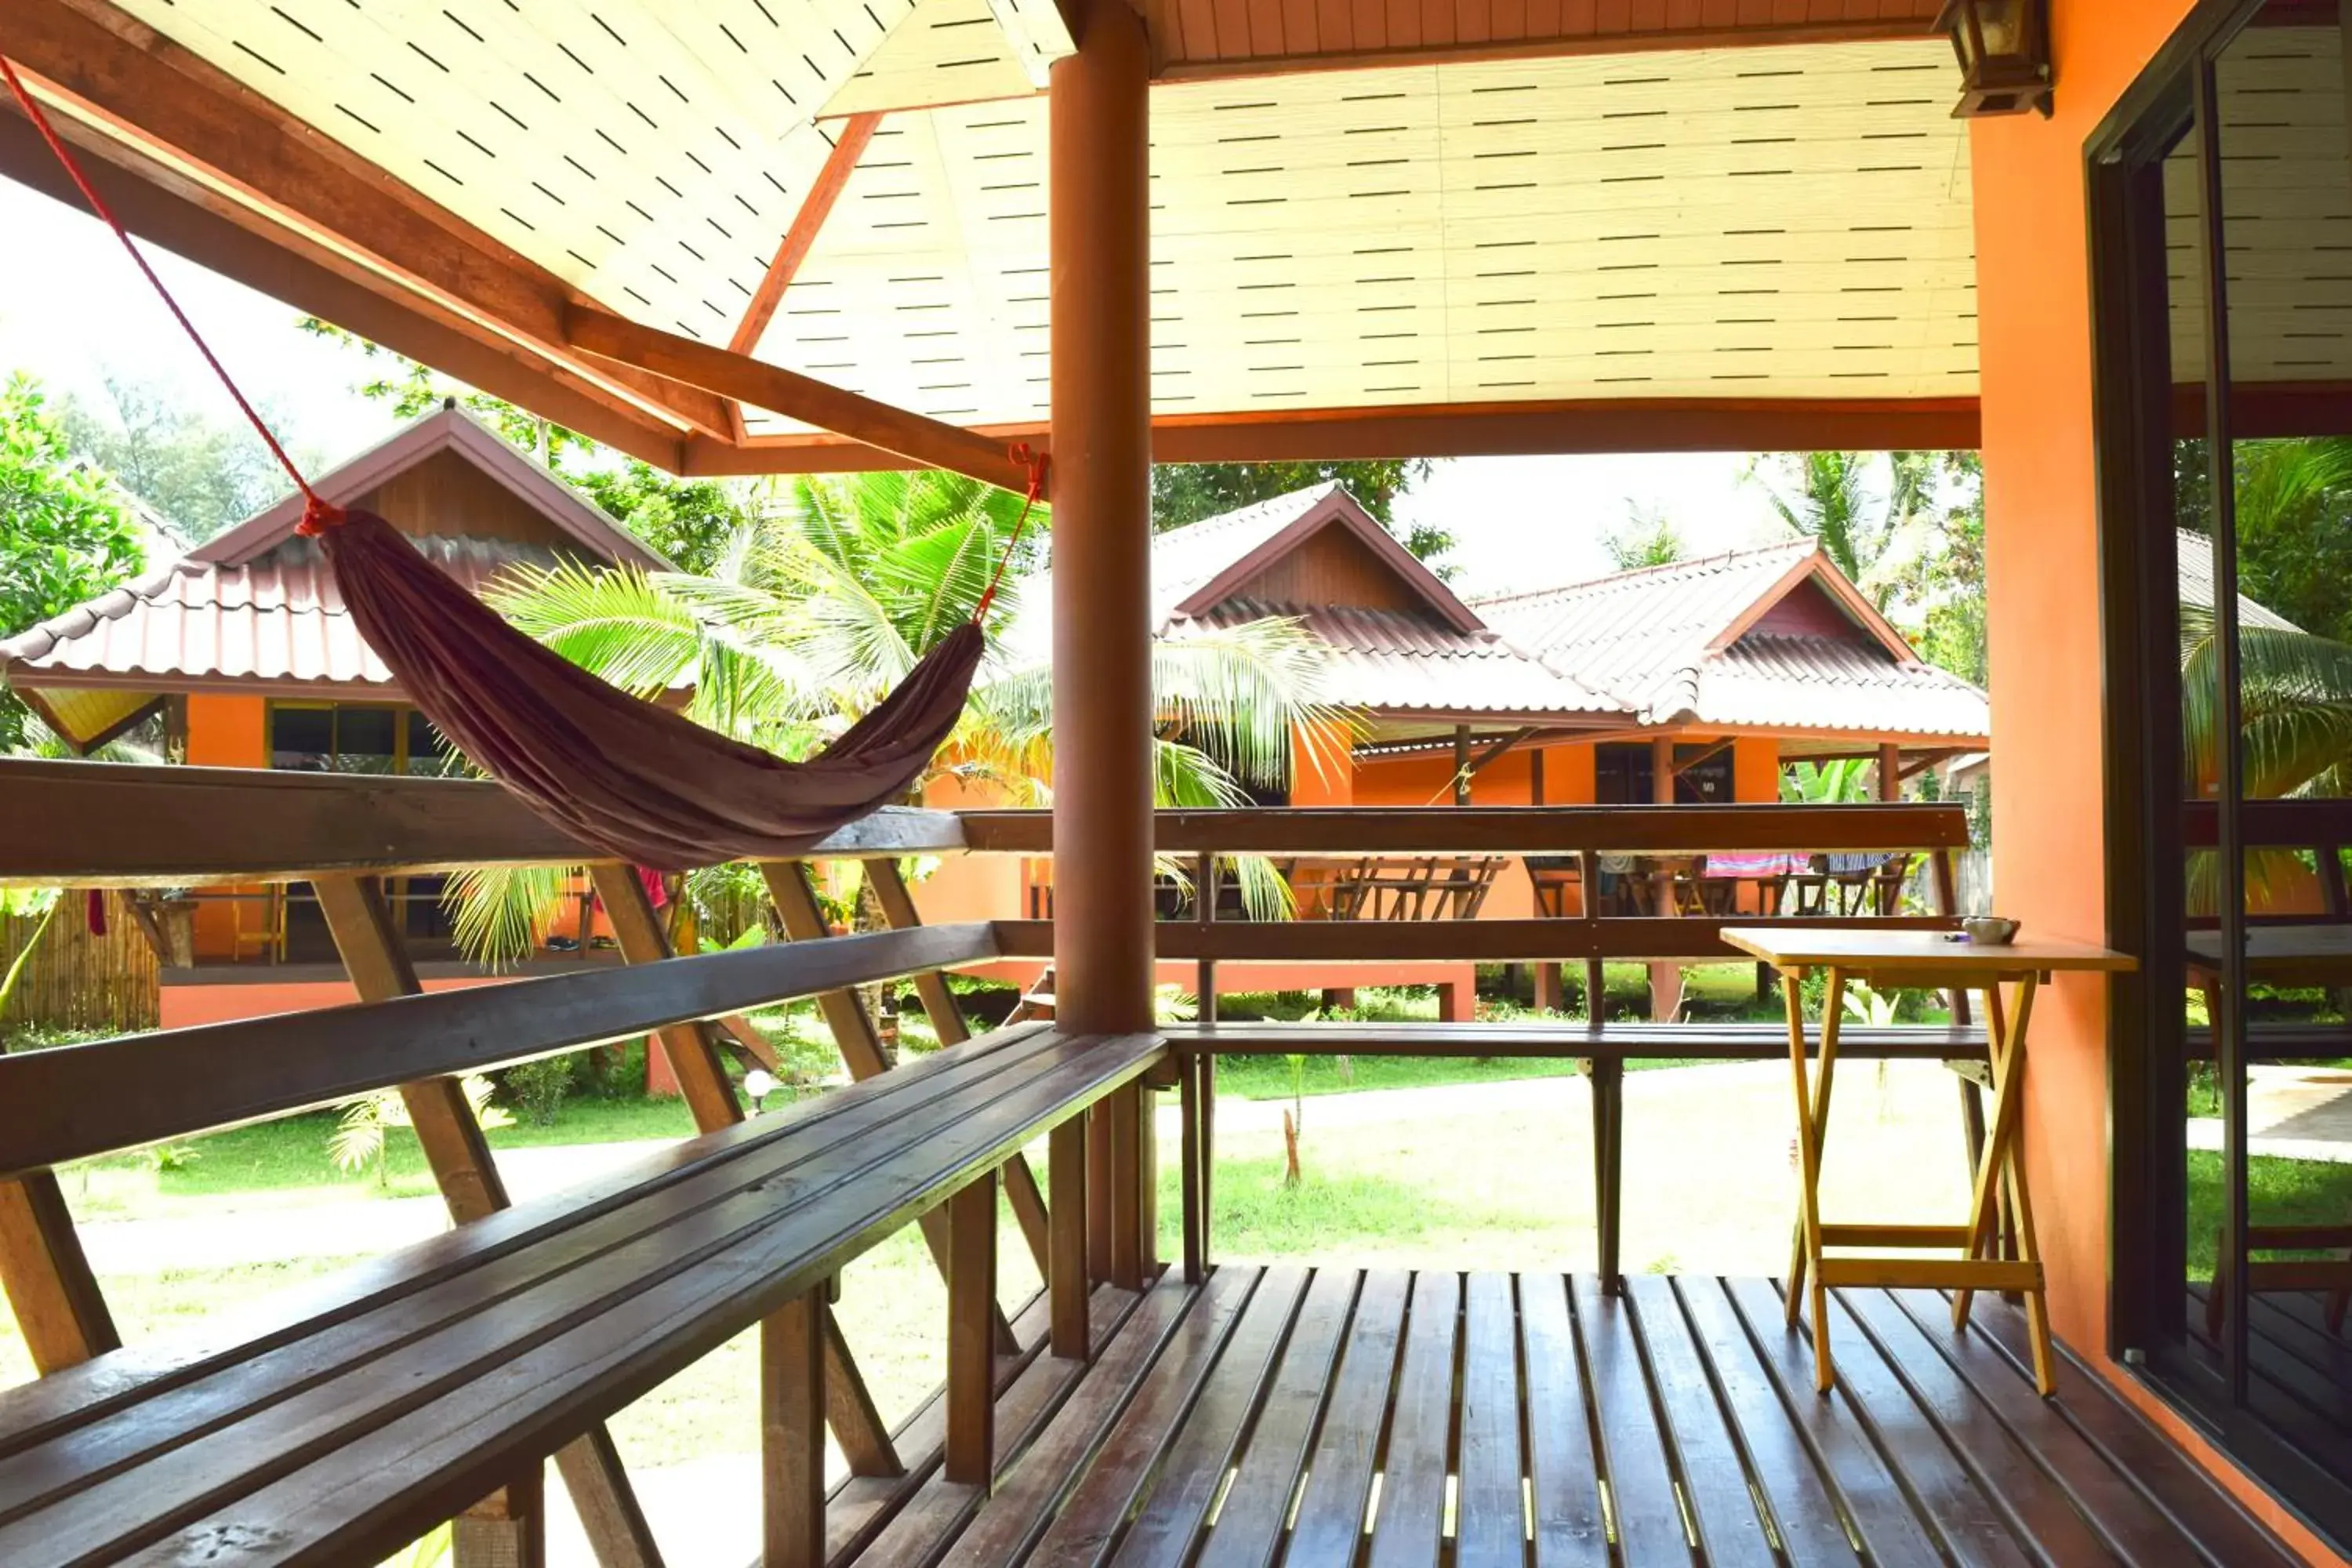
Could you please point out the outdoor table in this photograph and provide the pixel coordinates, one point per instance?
(2300, 954)
(1925, 960)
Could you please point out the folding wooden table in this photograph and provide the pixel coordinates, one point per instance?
(1890, 960)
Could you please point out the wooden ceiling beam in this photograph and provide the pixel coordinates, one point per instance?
(173, 106)
(913, 439)
(1194, 45)
(1463, 430)
(159, 209)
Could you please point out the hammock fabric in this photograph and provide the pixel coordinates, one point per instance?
(630, 777)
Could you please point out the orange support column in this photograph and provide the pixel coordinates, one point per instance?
(1100, 240)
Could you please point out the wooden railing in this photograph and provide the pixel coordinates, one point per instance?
(93, 825)
(80, 824)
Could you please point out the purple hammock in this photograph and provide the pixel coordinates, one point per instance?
(629, 777)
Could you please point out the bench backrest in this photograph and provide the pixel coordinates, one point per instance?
(76, 1101)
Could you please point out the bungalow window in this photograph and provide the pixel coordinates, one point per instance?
(355, 737)
(1624, 774)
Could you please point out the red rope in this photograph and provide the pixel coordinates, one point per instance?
(317, 513)
(1036, 463)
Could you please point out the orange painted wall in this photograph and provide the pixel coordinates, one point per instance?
(1756, 769)
(225, 731)
(2042, 571)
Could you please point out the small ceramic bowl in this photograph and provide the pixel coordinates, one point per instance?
(1989, 931)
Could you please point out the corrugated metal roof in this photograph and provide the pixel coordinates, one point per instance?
(1186, 560)
(1825, 683)
(279, 617)
(2196, 552)
(1396, 662)
(1653, 639)
(1641, 635)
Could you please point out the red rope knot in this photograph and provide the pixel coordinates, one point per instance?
(319, 514)
(1025, 457)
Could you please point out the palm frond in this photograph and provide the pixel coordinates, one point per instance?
(496, 912)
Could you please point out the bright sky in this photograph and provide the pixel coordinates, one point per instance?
(74, 312)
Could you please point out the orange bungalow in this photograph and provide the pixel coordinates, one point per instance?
(2101, 241)
(243, 643)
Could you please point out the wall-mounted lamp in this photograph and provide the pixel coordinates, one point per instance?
(2004, 50)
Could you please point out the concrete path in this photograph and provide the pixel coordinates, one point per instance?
(2295, 1112)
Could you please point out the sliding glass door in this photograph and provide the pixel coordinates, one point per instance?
(2223, 200)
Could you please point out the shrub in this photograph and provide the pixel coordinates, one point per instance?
(537, 1088)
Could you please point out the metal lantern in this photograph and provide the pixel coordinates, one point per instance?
(2004, 51)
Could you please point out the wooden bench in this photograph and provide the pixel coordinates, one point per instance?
(428, 1381)
(1607, 1048)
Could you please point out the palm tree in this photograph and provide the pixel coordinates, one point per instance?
(828, 592)
(1827, 497)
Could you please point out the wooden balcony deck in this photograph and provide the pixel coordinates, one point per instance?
(1333, 1416)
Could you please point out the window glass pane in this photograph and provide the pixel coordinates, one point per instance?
(301, 739)
(366, 740)
(429, 755)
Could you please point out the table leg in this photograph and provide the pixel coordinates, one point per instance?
(2021, 1204)
(1813, 1125)
(2002, 1171)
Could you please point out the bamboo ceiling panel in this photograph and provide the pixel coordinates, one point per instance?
(651, 155)
(2286, 205)
(1786, 222)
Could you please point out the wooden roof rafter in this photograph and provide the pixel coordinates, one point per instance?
(855, 134)
(914, 438)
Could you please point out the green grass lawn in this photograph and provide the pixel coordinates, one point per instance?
(2278, 1192)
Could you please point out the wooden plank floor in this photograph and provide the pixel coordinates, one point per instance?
(1327, 1417)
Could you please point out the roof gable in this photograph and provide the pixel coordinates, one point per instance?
(1227, 555)
(448, 430)
(1810, 584)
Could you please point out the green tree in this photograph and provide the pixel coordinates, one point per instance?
(1825, 497)
(202, 474)
(412, 387)
(63, 538)
(1184, 493)
(1647, 539)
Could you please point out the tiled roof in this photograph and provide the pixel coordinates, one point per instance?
(258, 603)
(1396, 661)
(279, 617)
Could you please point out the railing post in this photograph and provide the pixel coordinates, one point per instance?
(1199, 1081)
(58, 1308)
(1066, 1274)
(971, 1454)
(792, 1432)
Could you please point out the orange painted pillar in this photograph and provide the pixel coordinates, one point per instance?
(1100, 239)
(1102, 524)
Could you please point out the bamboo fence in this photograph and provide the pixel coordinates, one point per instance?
(78, 981)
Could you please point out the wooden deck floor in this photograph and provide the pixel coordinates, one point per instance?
(1332, 1416)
